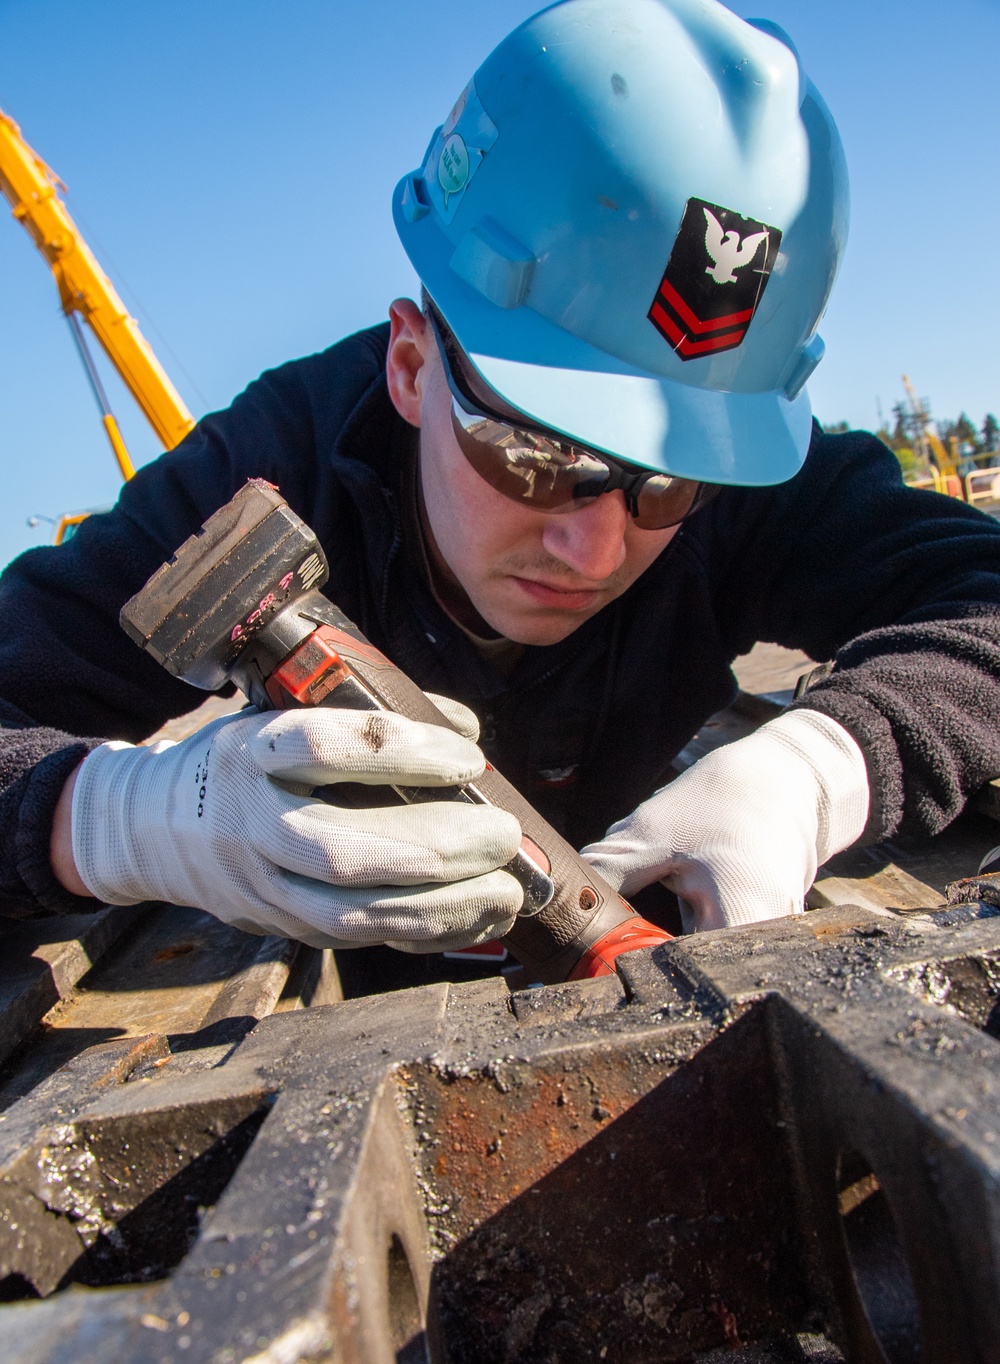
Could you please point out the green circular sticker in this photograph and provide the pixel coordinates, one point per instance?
(453, 164)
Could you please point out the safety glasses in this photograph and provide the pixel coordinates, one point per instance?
(543, 470)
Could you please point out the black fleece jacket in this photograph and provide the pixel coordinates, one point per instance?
(900, 587)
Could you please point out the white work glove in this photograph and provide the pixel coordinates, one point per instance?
(738, 836)
(224, 821)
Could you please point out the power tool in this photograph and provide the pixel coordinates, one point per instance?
(240, 602)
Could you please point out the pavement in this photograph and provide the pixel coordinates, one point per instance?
(770, 668)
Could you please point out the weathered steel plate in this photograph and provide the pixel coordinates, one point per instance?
(776, 1144)
(758, 1139)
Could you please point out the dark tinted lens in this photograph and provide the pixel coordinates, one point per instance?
(553, 475)
(664, 501)
(526, 466)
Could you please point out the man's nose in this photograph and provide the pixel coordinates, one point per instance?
(590, 539)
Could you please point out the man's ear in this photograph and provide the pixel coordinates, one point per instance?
(410, 342)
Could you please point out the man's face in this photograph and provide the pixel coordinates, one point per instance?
(534, 577)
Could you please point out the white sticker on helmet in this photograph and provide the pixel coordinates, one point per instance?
(457, 153)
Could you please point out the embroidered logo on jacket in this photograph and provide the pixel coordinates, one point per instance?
(714, 280)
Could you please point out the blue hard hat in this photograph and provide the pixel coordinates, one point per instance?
(631, 220)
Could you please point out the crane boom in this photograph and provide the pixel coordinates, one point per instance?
(30, 187)
(933, 442)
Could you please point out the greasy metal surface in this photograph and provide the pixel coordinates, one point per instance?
(761, 1145)
(571, 1213)
(752, 1145)
(906, 876)
(985, 886)
(43, 962)
(156, 969)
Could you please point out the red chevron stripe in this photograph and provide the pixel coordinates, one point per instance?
(659, 315)
(682, 343)
(692, 321)
(724, 342)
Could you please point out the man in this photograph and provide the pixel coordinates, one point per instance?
(567, 490)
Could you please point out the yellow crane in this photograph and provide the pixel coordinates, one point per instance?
(86, 294)
(932, 443)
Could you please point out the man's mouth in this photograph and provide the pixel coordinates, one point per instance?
(561, 598)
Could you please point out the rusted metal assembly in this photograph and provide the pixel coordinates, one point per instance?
(764, 1146)
(450, 1173)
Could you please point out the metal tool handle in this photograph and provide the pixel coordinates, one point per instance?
(581, 908)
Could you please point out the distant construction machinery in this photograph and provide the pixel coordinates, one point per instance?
(977, 486)
(87, 295)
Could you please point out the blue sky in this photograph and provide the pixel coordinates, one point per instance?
(232, 162)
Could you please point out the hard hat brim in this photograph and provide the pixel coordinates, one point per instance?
(594, 398)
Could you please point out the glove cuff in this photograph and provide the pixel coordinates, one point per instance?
(838, 768)
(120, 792)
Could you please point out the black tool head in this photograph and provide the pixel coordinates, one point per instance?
(225, 587)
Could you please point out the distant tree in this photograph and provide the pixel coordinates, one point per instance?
(909, 463)
(836, 428)
(990, 438)
(899, 437)
(904, 429)
(901, 440)
(966, 434)
(946, 430)
(961, 440)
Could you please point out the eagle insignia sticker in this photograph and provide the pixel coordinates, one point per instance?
(714, 280)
